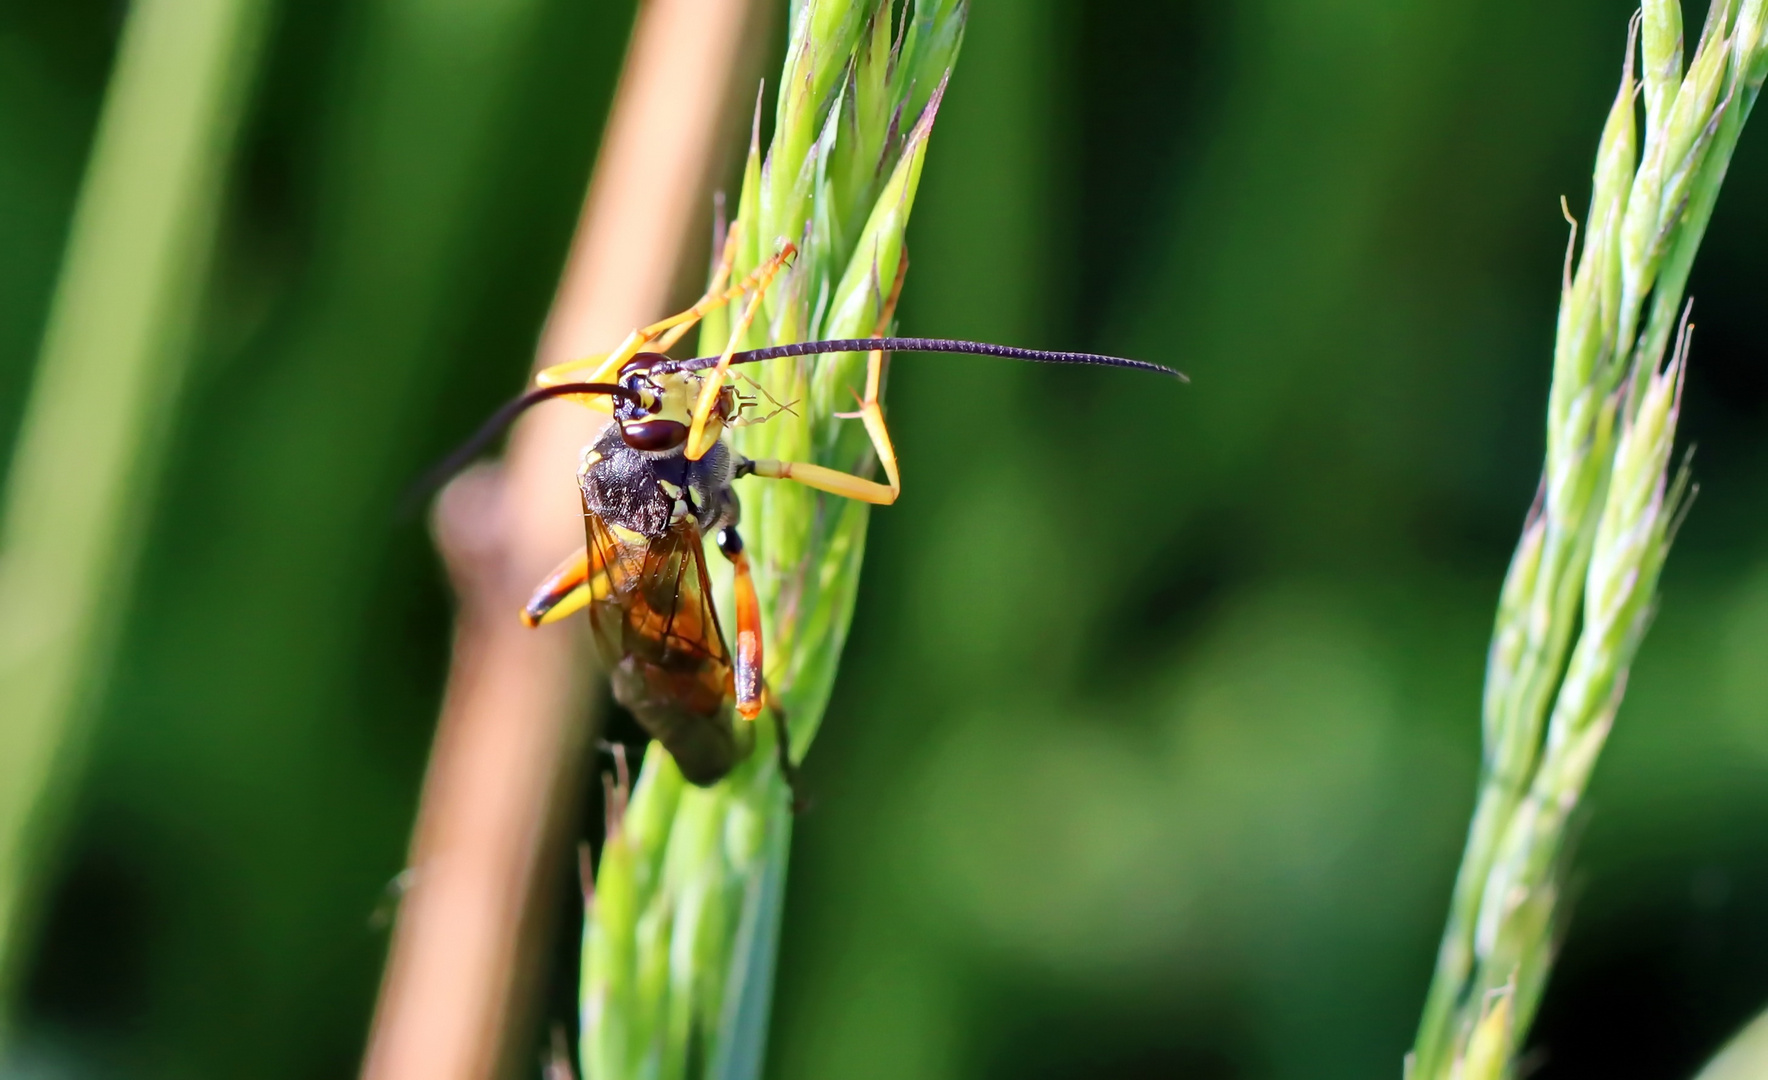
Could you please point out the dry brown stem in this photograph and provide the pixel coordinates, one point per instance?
(511, 741)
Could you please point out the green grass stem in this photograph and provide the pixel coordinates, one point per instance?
(680, 941)
(1745, 1057)
(109, 374)
(1583, 584)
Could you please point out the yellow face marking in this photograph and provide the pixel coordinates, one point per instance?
(680, 391)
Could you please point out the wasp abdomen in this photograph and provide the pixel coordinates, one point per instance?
(692, 721)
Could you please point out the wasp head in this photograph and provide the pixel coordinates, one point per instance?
(656, 418)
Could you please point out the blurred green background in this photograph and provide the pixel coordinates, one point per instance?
(1155, 742)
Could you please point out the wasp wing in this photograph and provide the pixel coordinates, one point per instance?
(662, 592)
(659, 634)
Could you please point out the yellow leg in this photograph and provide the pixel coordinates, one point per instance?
(716, 294)
(600, 368)
(660, 335)
(700, 439)
(833, 481)
(871, 410)
(871, 413)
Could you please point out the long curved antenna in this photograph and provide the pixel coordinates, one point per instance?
(462, 456)
(928, 345)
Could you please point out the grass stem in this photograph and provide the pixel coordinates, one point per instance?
(117, 346)
(1582, 586)
(680, 940)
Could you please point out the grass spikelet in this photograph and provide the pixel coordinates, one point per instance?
(1582, 586)
(678, 958)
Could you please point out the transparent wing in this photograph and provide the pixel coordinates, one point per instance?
(661, 593)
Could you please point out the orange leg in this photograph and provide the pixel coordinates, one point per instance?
(747, 675)
(701, 435)
(566, 591)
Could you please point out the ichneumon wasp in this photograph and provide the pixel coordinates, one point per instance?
(659, 480)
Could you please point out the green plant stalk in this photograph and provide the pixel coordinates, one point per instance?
(113, 357)
(680, 939)
(1593, 545)
(1745, 1057)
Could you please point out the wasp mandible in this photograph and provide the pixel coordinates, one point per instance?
(659, 480)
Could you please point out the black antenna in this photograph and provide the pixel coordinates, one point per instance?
(928, 345)
(462, 456)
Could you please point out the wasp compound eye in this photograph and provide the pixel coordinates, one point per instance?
(654, 434)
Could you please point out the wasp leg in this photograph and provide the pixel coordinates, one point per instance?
(747, 672)
(566, 591)
(660, 335)
(700, 439)
(783, 751)
(716, 294)
(871, 410)
(871, 413)
(833, 481)
(600, 368)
